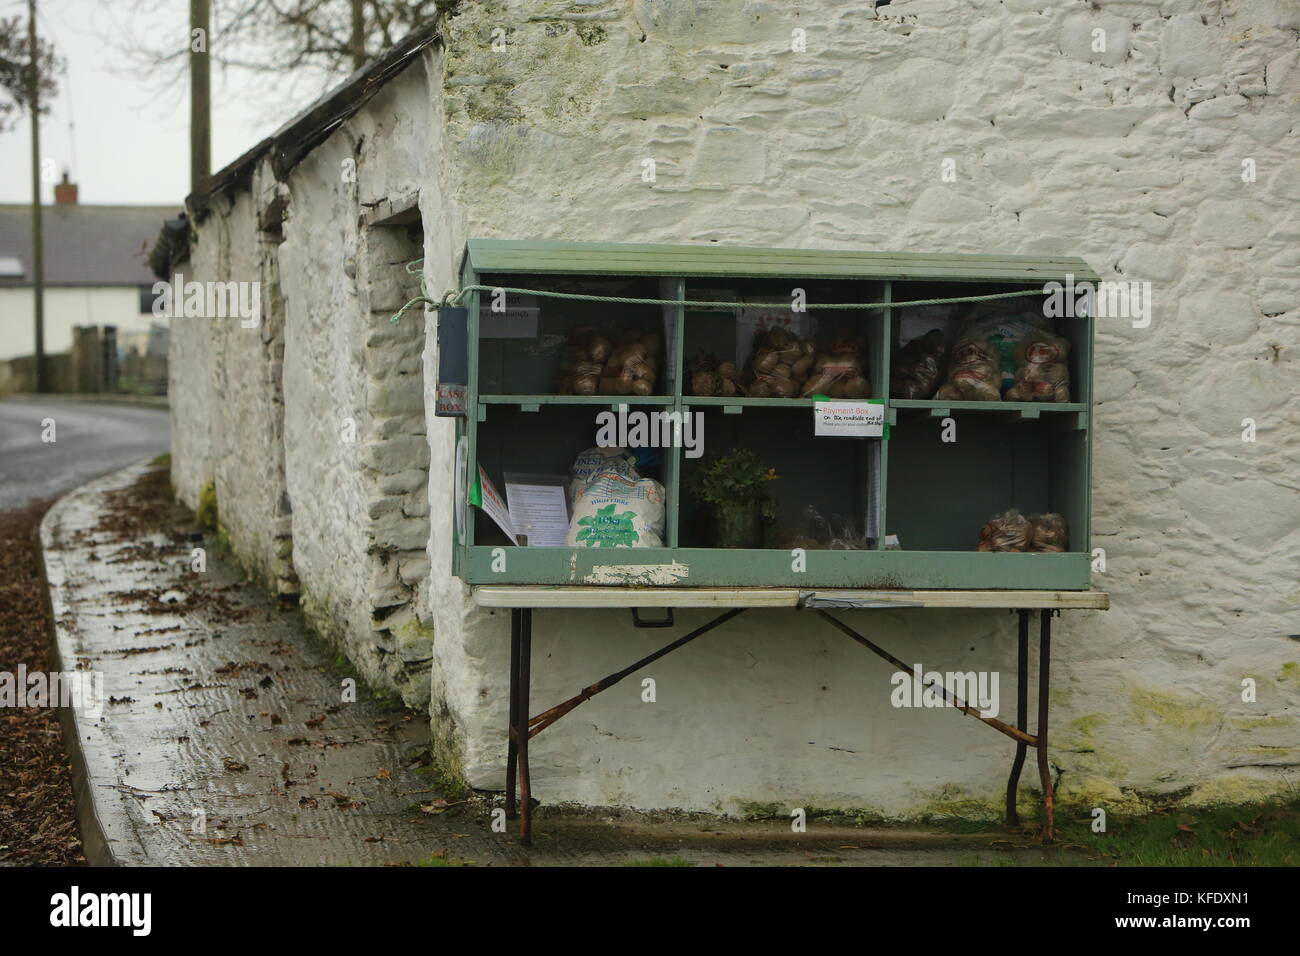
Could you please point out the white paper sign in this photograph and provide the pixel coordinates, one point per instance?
(848, 419)
(540, 512)
(518, 321)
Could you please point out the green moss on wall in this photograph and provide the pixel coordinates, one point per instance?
(1173, 710)
(206, 513)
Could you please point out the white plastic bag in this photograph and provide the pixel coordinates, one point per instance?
(613, 511)
(587, 465)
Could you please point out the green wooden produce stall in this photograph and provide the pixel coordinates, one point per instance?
(932, 495)
(915, 498)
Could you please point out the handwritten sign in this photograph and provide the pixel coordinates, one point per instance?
(836, 419)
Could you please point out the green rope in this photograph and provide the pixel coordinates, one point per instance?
(416, 267)
(455, 298)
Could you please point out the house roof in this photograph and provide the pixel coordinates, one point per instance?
(523, 255)
(287, 146)
(83, 245)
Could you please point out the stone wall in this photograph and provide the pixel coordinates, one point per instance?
(18, 375)
(308, 430)
(1138, 157)
(1132, 157)
(354, 430)
(191, 400)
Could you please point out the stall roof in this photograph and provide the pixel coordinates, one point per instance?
(517, 255)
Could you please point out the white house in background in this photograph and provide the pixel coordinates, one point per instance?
(96, 271)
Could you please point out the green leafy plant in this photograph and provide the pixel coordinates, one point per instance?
(734, 479)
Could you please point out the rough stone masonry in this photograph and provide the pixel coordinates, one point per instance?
(1155, 138)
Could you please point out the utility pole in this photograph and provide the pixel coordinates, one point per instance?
(200, 94)
(38, 241)
(358, 35)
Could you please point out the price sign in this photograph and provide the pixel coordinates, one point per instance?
(839, 419)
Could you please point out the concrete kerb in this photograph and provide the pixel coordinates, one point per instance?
(96, 840)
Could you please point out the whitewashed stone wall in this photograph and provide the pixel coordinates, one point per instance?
(190, 399)
(1131, 157)
(357, 454)
(226, 395)
(311, 427)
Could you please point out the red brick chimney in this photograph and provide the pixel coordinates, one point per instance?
(65, 193)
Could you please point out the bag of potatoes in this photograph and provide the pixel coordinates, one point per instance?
(780, 364)
(1007, 531)
(583, 361)
(633, 366)
(710, 377)
(839, 372)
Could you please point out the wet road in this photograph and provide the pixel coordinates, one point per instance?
(90, 440)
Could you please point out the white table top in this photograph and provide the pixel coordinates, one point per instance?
(565, 596)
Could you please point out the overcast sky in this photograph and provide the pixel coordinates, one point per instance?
(129, 137)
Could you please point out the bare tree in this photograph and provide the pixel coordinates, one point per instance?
(321, 40)
(15, 91)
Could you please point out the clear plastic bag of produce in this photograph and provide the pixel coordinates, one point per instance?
(633, 365)
(584, 359)
(706, 375)
(1002, 329)
(816, 532)
(1042, 370)
(1049, 532)
(974, 373)
(920, 366)
(780, 364)
(839, 371)
(1006, 531)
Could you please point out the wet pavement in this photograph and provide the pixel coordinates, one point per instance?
(227, 737)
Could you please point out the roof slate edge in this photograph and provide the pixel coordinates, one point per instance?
(288, 145)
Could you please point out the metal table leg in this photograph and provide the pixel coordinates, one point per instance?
(1044, 683)
(525, 677)
(512, 728)
(1022, 737)
(522, 727)
(521, 648)
(1022, 713)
